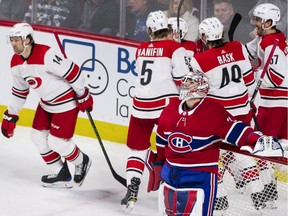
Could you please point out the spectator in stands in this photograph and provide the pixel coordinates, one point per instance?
(12, 10)
(140, 10)
(101, 16)
(188, 12)
(163, 4)
(224, 11)
(73, 19)
(49, 12)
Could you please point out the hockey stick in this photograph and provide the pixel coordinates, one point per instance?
(264, 71)
(234, 23)
(261, 79)
(115, 175)
(178, 21)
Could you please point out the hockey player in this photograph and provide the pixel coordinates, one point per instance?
(231, 80)
(189, 134)
(190, 46)
(273, 106)
(60, 86)
(160, 64)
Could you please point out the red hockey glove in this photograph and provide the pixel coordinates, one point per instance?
(85, 102)
(8, 124)
(154, 168)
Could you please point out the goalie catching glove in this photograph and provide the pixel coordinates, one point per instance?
(266, 146)
(85, 102)
(154, 168)
(8, 124)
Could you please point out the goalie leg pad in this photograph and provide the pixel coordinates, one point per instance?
(184, 201)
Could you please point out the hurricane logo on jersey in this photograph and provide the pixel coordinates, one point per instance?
(179, 142)
(34, 82)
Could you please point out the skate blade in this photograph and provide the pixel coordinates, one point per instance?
(129, 206)
(87, 170)
(58, 185)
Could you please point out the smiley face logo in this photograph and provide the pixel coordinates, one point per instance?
(97, 79)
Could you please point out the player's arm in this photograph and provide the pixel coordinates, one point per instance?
(71, 72)
(20, 91)
(252, 47)
(180, 63)
(248, 73)
(239, 134)
(277, 69)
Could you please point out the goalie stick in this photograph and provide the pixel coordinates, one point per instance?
(178, 21)
(234, 23)
(115, 175)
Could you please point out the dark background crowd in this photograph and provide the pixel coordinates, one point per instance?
(127, 18)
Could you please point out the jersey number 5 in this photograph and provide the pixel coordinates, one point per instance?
(146, 73)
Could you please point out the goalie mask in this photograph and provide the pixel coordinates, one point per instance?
(194, 85)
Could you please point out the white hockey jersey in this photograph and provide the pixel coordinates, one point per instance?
(274, 87)
(160, 66)
(230, 75)
(56, 80)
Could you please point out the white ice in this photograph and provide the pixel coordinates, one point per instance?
(21, 193)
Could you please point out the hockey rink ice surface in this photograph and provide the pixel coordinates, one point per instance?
(21, 193)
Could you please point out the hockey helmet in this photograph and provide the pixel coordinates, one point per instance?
(183, 27)
(188, 89)
(267, 12)
(212, 28)
(21, 30)
(156, 21)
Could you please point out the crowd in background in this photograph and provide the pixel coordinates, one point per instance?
(104, 16)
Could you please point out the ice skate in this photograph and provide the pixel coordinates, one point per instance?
(131, 196)
(62, 179)
(81, 170)
(258, 200)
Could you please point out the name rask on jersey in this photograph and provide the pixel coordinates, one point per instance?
(150, 51)
(225, 58)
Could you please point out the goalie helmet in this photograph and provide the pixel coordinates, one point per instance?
(183, 27)
(157, 20)
(188, 89)
(21, 30)
(267, 12)
(212, 28)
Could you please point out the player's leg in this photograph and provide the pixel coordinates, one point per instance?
(221, 201)
(138, 142)
(60, 139)
(60, 175)
(277, 127)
